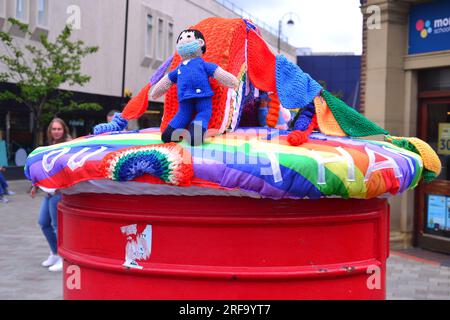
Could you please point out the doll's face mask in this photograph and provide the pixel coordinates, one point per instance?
(188, 45)
(188, 49)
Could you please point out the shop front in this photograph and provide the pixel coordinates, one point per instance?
(433, 200)
(406, 89)
(429, 37)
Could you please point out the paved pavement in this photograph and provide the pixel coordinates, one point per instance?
(23, 248)
(412, 274)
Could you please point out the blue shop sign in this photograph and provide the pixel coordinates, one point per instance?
(429, 27)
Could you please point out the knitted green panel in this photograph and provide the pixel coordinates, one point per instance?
(428, 175)
(351, 121)
(403, 143)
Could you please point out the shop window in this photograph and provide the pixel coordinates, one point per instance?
(438, 134)
(438, 215)
(435, 119)
(152, 117)
(434, 79)
(18, 131)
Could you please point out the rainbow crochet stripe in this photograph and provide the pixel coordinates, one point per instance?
(254, 161)
(167, 162)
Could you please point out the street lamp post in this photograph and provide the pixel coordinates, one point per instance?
(124, 66)
(280, 25)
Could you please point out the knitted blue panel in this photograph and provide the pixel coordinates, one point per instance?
(117, 124)
(305, 118)
(296, 89)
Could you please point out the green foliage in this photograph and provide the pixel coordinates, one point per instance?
(40, 70)
(337, 94)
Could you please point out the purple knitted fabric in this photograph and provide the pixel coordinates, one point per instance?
(250, 106)
(161, 70)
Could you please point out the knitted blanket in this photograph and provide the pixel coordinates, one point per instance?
(255, 160)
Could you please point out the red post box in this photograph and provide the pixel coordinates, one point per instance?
(217, 247)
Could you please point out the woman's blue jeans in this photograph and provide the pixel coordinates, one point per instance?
(3, 184)
(48, 220)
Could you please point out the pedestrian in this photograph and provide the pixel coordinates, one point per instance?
(110, 115)
(57, 132)
(4, 187)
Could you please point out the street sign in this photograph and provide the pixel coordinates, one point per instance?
(444, 139)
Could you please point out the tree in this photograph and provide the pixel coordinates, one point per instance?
(39, 71)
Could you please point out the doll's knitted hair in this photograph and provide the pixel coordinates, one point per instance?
(197, 35)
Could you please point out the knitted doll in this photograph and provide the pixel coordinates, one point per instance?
(193, 88)
(283, 118)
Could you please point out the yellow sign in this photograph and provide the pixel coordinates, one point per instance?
(444, 139)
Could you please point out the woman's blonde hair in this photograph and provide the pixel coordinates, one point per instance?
(66, 136)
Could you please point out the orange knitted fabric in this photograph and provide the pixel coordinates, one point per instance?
(298, 137)
(261, 63)
(225, 46)
(326, 120)
(137, 105)
(430, 158)
(274, 110)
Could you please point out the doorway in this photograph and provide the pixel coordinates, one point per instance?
(432, 209)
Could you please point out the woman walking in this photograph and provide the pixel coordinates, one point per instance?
(57, 132)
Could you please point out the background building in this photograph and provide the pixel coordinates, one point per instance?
(152, 28)
(406, 89)
(339, 72)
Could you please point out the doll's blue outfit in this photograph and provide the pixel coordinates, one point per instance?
(192, 78)
(194, 95)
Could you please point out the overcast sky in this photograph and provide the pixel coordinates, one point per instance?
(325, 25)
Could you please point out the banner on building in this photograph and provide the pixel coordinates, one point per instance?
(429, 27)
